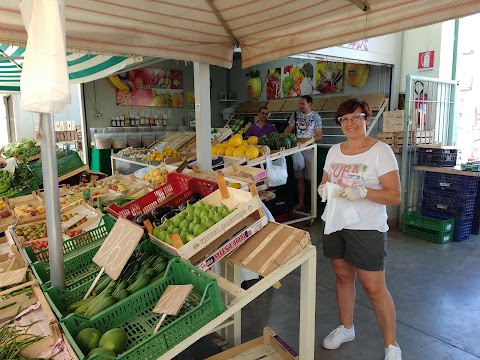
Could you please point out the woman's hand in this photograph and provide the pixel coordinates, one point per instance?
(352, 193)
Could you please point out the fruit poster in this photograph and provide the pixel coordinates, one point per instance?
(274, 89)
(329, 77)
(150, 87)
(297, 80)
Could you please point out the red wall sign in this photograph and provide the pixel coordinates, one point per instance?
(425, 61)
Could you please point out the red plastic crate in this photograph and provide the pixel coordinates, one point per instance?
(179, 186)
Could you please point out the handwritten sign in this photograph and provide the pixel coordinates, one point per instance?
(12, 277)
(118, 247)
(171, 301)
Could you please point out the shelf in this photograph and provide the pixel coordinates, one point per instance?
(227, 100)
(447, 170)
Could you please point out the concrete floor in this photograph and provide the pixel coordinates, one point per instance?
(436, 289)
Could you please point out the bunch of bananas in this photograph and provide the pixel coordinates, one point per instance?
(244, 129)
(118, 83)
(295, 73)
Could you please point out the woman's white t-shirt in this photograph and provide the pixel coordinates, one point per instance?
(364, 170)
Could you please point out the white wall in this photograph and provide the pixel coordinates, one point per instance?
(380, 50)
(437, 38)
(102, 93)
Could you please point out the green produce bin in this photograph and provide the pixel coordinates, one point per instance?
(100, 160)
(134, 314)
(70, 161)
(60, 299)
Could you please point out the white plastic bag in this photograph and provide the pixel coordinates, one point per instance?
(339, 212)
(298, 161)
(276, 171)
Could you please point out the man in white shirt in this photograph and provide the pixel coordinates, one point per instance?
(305, 124)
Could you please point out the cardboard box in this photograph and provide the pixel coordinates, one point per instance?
(269, 346)
(232, 244)
(269, 248)
(243, 204)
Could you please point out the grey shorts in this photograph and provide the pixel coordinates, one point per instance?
(363, 249)
(306, 172)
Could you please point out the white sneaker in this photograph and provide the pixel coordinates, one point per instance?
(393, 352)
(339, 336)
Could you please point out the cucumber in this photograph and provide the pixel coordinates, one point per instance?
(110, 287)
(131, 278)
(102, 284)
(105, 304)
(81, 309)
(146, 265)
(123, 295)
(77, 304)
(140, 283)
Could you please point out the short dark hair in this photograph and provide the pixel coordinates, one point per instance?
(349, 106)
(307, 97)
(261, 108)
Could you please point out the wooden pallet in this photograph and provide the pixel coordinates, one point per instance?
(395, 139)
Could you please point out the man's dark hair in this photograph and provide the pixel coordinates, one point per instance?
(261, 108)
(307, 97)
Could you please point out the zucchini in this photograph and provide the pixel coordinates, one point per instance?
(122, 285)
(160, 267)
(157, 277)
(81, 310)
(123, 295)
(151, 273)
(105, 304)
(110, 287)
(147, 265)
(102, 284)
(74, 306)
(140, 283)
(159, 260)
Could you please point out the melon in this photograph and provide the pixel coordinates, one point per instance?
(254, 87)
(357, 74)
(253, 140)
(251, 153)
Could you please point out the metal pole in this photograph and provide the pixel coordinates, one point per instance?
(203, 116)
(52, 202)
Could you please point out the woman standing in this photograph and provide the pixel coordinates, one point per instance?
(368, 173)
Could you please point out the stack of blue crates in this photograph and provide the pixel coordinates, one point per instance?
(451, 196)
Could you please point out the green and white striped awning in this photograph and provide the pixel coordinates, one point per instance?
(81, 67)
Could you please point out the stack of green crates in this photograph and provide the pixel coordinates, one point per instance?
(427, 228)
(70, 161)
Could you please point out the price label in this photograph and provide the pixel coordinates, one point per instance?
(118, 247)
(172, 299)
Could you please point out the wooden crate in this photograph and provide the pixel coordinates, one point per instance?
(269, 248)
(244, 173)
(393, 121)
(33, 200)
(395, 139)
(241, 204)
(242, 108)
(269, 346)
(13, 271)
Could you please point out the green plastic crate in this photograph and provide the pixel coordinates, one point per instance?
(414, 218)
(135, 315)
(60, 299)
(68, 163)
(78, 269)
(71, 247)
(439, 237)
(33, 186)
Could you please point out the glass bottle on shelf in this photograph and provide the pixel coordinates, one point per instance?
(127, 119)
(122, 121)
(137, 119)
(113, 121)
(152, 119)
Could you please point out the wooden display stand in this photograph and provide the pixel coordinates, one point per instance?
(395, 139)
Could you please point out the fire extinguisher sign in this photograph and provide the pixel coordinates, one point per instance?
(425, 61)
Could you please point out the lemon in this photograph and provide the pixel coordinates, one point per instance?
(235, 141)
(239, 152)
(251, 153)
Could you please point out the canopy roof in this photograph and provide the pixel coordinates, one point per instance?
(81, 68)
(208, 30)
